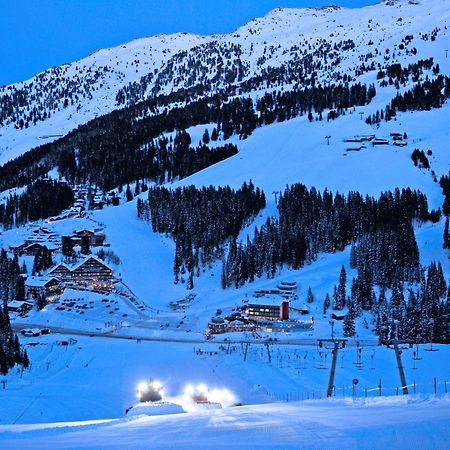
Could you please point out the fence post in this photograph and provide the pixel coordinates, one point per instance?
(414, 383)
(435, 385)
(445, 384)
(365, 391)
(397, 390)
(379, 389)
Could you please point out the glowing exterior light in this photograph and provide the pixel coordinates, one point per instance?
(151, 391)
(157, 385)
(142, 386)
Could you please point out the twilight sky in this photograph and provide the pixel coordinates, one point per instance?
(38, 34)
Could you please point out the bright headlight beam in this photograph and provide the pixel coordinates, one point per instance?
(157, 385)
(142, 386)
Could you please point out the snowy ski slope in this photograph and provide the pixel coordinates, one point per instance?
(94, 378)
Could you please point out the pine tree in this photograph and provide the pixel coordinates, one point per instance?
(310, 296)
(341, 290)
(20, 288)
(335, 297)
(326, 304)
(349, 325)
(85, 245)
(46, 259)
(214, 135)
(66, 246)
(128, 194)
(10, 352)
(25, 359)
(223, 279)
(37, 264)
(41, 301)
(190, 282)
(3, 362)
(137, 188)
(446, 234)
(382, 327)
(176, 270)
(205, 137)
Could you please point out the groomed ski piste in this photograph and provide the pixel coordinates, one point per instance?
(84, 374)
(376, 424)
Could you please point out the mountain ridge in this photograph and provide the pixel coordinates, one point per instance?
(90, 87)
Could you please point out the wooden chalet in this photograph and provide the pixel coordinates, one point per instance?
(94, 272)
(61, 272)
(37, 248)
(397, 136)
(48, 287)
(367, 137)
(379, 141)
(95, 237)
(19, 306)
(42, 230)
(18, 249)
(98, 202)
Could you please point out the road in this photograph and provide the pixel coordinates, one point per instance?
(115, 334)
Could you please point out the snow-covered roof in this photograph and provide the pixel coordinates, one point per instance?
(38, 281)
(58, 266)
(46, 244)
(88, 259)
(265, 301)
(33, 330)
(17, 303)
(14, 246)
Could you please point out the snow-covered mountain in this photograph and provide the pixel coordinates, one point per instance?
(282, 49)
(59, 99)
(111, 118)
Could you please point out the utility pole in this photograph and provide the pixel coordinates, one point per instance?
(328, 139)
(246, 350)
(398, 355)
(332, 329)
(338, 344)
